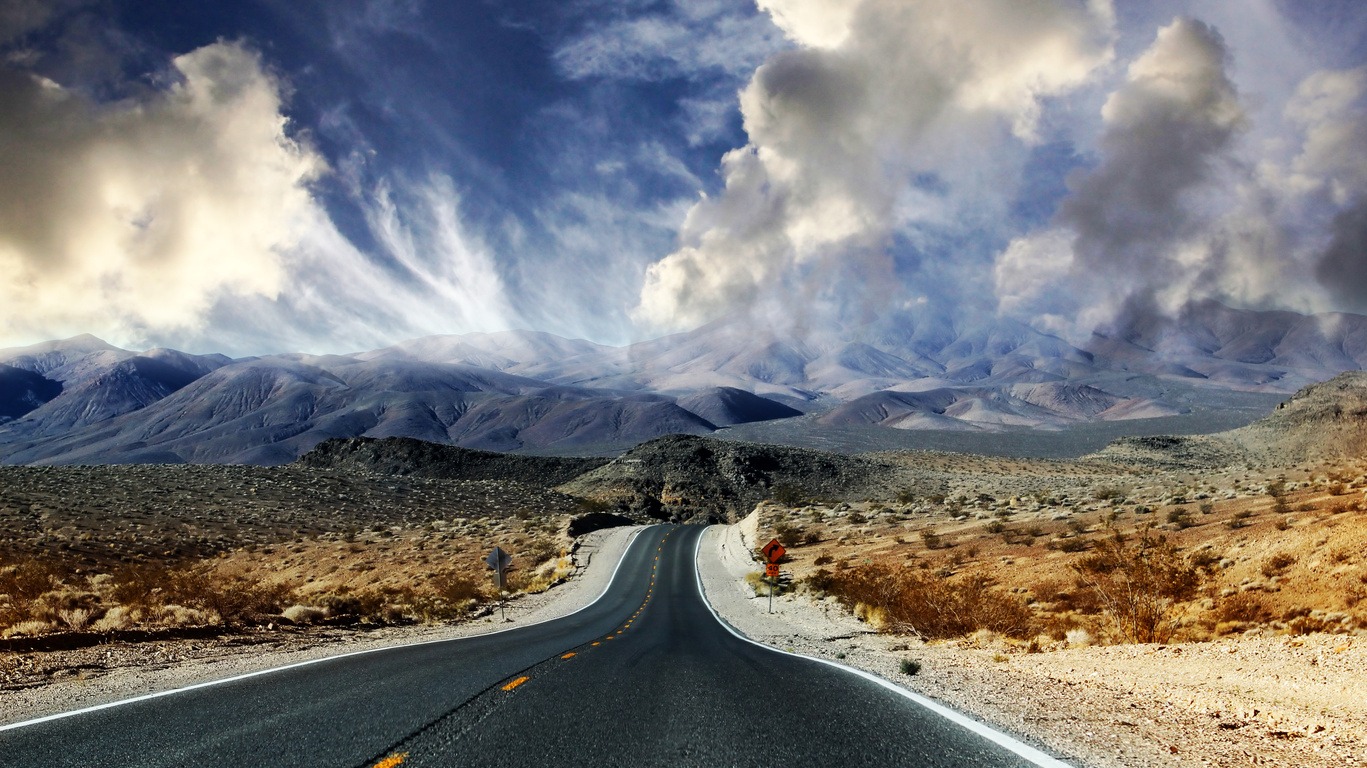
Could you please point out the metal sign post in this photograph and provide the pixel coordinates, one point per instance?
(773, 551)
(772, 573)
(499, 561)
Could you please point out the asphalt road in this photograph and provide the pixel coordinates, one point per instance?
(644, 676)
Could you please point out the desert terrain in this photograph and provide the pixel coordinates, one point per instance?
(1165, 601)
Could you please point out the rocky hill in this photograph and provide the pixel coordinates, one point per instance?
(685, 478)
(408, 457)
(1321, 421)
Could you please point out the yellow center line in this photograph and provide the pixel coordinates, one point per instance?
(569, 655)
(516, 683)
(596, 644)
(392, 760)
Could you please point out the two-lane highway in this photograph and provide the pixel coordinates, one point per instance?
(644, 676)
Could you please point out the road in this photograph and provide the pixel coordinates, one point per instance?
(644, 676)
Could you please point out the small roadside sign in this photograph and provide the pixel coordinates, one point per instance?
(774, 551)
(771, 570)
(498, 560)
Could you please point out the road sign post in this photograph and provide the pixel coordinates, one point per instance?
(499, 561)
(773, 552)
(771, 573)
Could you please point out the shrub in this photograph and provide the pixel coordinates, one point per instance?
(931, 606)
(1071, 544)
(909, 667)
(1078, 637)
(931, 539)
(304, 614)
(821, 581)
(1244, 607)
(1138, 585)
(458, 590)
(790, 496)
(1277, 564)
(1108, 493)
(757, 583)
(790, 535)
(29, 628)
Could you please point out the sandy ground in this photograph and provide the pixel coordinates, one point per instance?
(1271, 700)
(39, 684)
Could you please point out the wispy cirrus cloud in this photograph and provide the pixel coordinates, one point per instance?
(692, 40)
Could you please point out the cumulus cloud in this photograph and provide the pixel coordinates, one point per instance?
(1135, 228)
(1331, 109)
(138, 215)
(1179, 209)
(878, 94)
(186, 215)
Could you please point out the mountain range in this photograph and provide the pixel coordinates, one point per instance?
(84, 401)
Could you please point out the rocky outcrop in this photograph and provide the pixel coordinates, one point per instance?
(406, 456)
(686, 478)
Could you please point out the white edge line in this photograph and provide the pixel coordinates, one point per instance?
(296, 665)
(991, 734)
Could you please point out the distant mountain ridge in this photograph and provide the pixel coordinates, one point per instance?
(82, 400)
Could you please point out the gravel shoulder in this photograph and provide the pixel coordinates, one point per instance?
(1269, 700)
(37, 684)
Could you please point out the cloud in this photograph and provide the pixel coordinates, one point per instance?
(21, 17)
(879, 94)
(1181, 208)
(426, 274)
(136, 216)
(1135, 227)
(691, 39)
(1331, 109)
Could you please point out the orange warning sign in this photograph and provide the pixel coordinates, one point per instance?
(774, 551)
(771, 570)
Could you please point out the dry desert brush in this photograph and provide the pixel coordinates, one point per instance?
(1139, 585)
(920, 602)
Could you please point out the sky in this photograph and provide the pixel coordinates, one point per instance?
(334, 175)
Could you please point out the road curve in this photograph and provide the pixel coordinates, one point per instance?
(644, 676)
